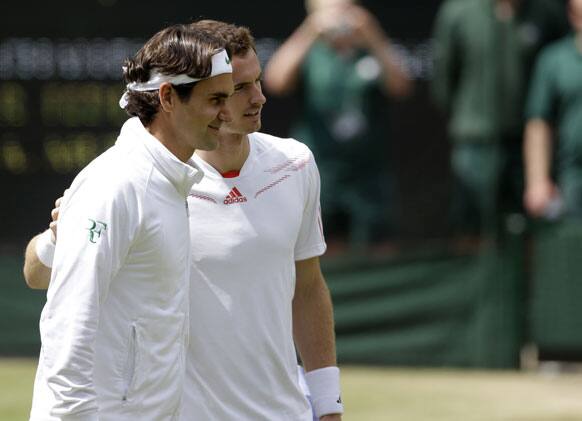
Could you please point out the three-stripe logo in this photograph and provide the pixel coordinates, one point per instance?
(234, 196)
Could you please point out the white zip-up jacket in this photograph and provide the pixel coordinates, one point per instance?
(114, 328)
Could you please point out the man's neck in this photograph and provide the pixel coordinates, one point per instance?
(230, 155)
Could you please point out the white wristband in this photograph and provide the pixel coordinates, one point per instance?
(45, 248)
(324, 387)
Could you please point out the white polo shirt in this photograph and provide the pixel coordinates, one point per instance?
(247, 232)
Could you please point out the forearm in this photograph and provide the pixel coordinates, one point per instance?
(313, 326)
(537, 152)
(395, 80)
(283, 69)
(36, 274)
(315, 340)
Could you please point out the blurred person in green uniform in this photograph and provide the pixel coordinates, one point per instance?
(484, 50)
(345, 66)
(554, 112)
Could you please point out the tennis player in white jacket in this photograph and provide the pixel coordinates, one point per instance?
(115, 326)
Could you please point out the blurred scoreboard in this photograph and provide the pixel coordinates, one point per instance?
(58, 102)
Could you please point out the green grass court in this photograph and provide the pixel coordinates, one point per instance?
(378, 394)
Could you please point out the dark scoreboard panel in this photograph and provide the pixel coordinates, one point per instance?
(58, 101)
(60, 82)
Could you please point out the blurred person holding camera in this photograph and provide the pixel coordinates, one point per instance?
(345, 67)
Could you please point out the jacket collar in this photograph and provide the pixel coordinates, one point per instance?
(182, 175)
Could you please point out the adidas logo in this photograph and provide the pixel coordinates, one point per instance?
(234, 197)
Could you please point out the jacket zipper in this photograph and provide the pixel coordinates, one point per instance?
(130, 369)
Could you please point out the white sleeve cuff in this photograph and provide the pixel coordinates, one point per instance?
(324, 387)
(45, 248)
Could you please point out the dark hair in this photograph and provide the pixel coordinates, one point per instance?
(178, 49)
(237, 38)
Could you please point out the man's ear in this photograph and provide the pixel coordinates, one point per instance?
(167, 97)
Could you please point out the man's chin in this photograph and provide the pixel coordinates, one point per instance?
(210, 142)
(251, 128)
(208, 146)
(243, 129)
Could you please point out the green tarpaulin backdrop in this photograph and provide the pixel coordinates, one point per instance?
(469, 311)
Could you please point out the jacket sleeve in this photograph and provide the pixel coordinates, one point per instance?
(96, 228)
(446, 54)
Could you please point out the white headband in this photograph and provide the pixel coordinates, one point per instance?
(220, 65)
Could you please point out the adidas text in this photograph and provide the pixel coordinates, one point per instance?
(231, 200)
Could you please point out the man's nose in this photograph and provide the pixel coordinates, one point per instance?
(258, 98)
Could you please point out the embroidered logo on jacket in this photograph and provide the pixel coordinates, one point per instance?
(95, 230)
(234, 196)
